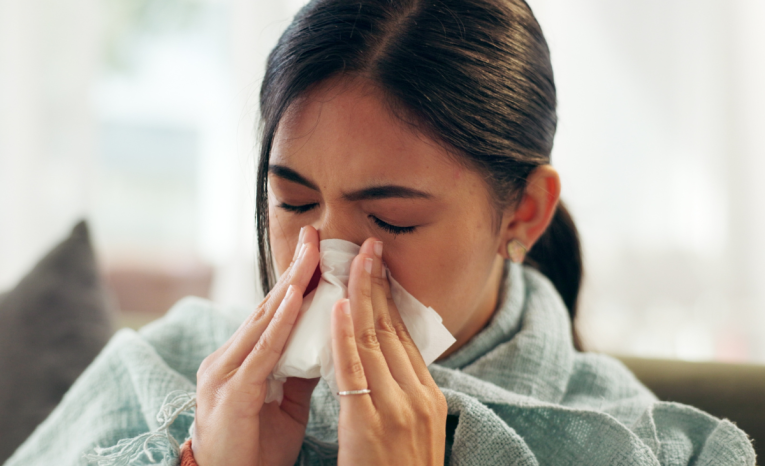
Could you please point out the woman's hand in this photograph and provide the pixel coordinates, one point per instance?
(403, 420)
(233, 426)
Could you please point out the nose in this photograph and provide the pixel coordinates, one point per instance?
(340, 225)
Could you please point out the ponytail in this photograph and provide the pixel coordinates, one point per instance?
(558, 255)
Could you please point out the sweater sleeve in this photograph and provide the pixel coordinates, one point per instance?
(187, 455)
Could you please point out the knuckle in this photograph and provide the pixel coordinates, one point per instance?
(346, 334)
(206, 369)
(428, 401)
(265, 345)
(437, 401)
(399, 420)
(202, 379)
(292, 273)
(355, 369)
(277, 319)
(423, 411)
(403, 332)
(379, 281)
(385, 324)
(206, 363)
(368, 339)
(260, 313)
(422, 407)
(293, 277)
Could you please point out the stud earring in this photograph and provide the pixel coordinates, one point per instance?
(516, 250)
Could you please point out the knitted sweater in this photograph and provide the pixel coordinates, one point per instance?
(518, 393)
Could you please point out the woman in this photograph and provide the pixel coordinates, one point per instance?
(422, 131)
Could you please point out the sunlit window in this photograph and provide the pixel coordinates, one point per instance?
(139, 115)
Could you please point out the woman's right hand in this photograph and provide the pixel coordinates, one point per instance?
(233, 426)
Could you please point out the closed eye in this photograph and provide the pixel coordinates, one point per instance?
(298, 209)
(392, 229)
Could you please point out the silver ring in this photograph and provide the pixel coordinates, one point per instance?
(355, 392)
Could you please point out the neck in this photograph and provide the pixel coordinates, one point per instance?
(484, 310)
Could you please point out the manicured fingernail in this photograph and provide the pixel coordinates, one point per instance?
(303, 248)
(368, 265)
(346, 307)
(301, 238)
(291, 290)
(378, 248)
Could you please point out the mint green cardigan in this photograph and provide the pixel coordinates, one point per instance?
(518, 394)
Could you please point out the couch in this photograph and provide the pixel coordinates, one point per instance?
(57, 319)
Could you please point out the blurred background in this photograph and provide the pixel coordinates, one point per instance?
(139, 115)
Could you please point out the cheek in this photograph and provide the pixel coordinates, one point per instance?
(459, 286)
(444, 274)
(448, 270)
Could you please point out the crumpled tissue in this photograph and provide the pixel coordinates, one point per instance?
(308, 351)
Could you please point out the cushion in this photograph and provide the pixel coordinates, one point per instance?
(52, 325)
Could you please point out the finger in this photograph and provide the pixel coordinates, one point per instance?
(397, 358)
(410, 347)
(376, 367)
(252, 329)
(270, 296)
(349, 371)
(262, 359)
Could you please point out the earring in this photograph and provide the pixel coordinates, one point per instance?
(516, 250)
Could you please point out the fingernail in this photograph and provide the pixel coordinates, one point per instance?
(368, 265)
(346, 307)
(378, 248)
(302, 236)
(290, 291)
(303, 248)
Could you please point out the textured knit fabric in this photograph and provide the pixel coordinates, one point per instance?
(187, 455)
(518, 394)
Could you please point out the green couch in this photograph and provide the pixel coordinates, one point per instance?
(732, 391)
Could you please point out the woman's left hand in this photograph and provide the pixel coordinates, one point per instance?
(403, 420)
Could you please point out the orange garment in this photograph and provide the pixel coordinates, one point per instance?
(187, 456)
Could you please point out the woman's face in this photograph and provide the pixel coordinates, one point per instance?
(343, 164)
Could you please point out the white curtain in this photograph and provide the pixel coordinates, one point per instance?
(659, 146)
(48, 61)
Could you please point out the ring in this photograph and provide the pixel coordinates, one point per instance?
(355, 392)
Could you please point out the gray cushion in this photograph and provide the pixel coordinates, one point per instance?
(52, 325)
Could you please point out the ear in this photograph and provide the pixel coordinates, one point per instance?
(529, 219)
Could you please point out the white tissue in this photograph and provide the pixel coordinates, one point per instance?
(308, 352)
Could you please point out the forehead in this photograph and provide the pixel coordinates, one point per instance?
(343, 132)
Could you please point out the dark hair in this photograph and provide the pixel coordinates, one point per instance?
(474, 73)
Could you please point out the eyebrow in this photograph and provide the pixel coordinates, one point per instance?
(371, 193)
(290, 175)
